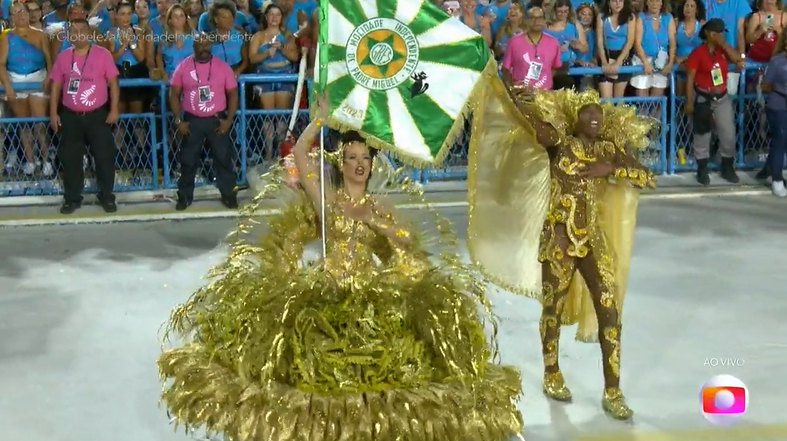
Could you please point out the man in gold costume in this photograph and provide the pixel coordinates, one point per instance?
(560, 165)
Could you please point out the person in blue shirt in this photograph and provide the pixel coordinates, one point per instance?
(243, 20)
(616, 27)
(59, 38)
(127, 44)
(178, 44)
(272, 50)
(60, 13)
(230, 44)
(479, 23)
(734, 14)
(571, 36)
(194, 9)
(654, 45)
(497, 11)
(586, 19)
(36, 17)
(155, 28)
(689, 18)
(106, 11)
(514, 25)
(24, 58)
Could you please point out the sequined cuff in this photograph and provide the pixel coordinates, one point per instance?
(638, 178)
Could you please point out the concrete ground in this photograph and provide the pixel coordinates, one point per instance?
(81, 306)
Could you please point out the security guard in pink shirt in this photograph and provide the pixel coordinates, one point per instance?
(83, 106)
(204, 99)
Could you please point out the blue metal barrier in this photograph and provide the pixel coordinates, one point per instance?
(147, 161)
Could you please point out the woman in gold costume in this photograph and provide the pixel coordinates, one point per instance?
(570, 156)
(375, 342)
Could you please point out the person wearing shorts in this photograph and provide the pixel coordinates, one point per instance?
(615, 31)
(273, 50)
(24, 58)
(655, 49)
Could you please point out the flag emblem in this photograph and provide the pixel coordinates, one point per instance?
(382, 54)
(401, 72)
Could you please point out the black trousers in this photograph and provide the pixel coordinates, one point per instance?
(203, 129)
(79, 129)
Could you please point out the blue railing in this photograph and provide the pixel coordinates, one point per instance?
(147, 161)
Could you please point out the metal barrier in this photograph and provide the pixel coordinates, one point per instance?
(148, 141)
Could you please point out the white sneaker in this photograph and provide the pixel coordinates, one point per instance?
(12, 161)
(777, 188)
(29, 168)
(47, 169)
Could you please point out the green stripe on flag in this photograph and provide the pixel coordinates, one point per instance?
(377, 121)
(339, 89)
(387, 8)
(470, 54)
(350, 9)
(427, 18)
(335, 53)
(431, 120)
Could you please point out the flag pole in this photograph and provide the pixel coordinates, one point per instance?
(323, 239)
(322, 194)
(322, 85)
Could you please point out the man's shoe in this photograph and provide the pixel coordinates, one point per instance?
(728, 171)
(230, 201)
(702, 172)
(183, 202)
(108, 204)
(764, 174)
(70, 207)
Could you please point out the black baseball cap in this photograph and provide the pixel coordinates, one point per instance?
(712, 25)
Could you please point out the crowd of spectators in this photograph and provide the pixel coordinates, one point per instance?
(149, 38)
(658, 35)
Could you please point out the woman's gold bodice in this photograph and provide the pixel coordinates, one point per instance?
(352, 247)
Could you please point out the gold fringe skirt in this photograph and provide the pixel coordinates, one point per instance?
(299, 356)
(206, 394)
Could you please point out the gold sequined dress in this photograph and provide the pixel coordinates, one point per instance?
(374, 343)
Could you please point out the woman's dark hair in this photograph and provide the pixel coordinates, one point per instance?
(218, 5)
(625, 14)
(125, 4)
(682, 4)
(346, 138)
(264, 16)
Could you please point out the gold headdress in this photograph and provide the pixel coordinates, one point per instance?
(622, 126)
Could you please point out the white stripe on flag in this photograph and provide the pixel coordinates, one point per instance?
(339, 28)
(335, 70)
(369, 8)
(447, 32)
(407, 136)
(358, 101)
(406, 10)
(457, 78)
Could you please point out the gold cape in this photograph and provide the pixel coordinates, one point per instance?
(349, 349)
(509, 191)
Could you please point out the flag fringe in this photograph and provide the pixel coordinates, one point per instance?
(485, 81)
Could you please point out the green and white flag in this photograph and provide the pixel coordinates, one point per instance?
(401, 72)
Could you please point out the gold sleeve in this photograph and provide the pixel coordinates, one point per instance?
(508, 189)
(630, 169)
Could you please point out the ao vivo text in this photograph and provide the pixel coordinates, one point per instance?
(724, 362)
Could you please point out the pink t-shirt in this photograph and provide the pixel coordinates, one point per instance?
(531, 65)
(85, 78)
(204, 85)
